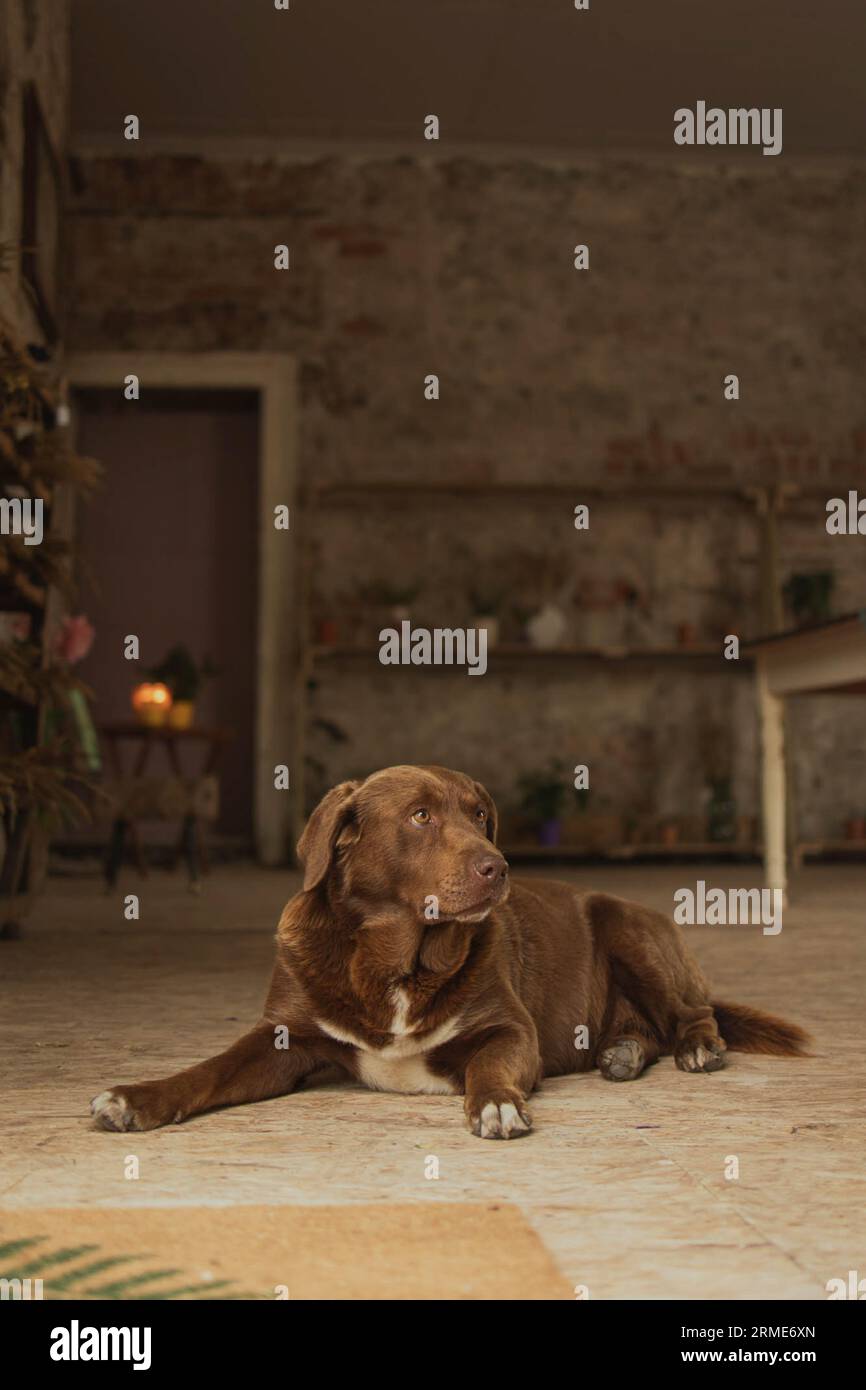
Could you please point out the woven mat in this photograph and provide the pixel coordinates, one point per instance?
(431, 1250)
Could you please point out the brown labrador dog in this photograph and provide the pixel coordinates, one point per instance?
(412, 963)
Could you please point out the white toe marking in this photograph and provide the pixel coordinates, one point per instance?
(501, 1120)
(511, 1119)
(110, 1110)
(489, 1120)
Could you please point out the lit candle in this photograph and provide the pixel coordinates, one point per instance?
(151, 701)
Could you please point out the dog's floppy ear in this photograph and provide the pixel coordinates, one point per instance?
(319, 839)
(492, 813)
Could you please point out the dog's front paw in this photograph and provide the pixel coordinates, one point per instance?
(111, 1110)
(499, 1120)
(129, 1107)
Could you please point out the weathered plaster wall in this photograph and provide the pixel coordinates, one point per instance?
(402, 267)
(34, 47)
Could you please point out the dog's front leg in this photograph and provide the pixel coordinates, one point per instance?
(498, 1078)
(253, 1068)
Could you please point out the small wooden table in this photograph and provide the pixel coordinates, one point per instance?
(148, 738)
(828, 658)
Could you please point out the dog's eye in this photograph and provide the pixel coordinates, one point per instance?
(421, 817)
(481, 814)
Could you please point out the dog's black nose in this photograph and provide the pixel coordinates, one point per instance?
(492, 868)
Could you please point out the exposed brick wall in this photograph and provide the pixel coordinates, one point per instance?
(34, 47)
(463, 268)
(402, 267)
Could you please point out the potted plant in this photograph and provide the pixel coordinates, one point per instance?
(486, 609)
(715, 745)
(669, 833)
(393, 601)
(549, 581)
(721, 811)
(808, 596)
(576, 821)
(542, 798)
(183, 676)
(400, 598)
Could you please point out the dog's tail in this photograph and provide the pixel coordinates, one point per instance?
(751, 1030)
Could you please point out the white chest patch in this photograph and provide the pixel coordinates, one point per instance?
(410, 1075)
(401, 1065)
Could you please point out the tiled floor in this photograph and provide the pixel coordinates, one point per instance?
(627, 1185)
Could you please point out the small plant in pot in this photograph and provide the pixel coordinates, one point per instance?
(715, 741)
(809, 596)
(542, 799)
(393, 601)
(182, 674)
(486, 609)
(721, 811)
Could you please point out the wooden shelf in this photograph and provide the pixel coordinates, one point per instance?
(710, 849)
(740, 492)
(707, 849)
(521, 654)
(574, 489)
(762, 501)
(133, 728)
(854, 848)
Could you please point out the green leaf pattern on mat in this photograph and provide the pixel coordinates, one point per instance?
(64, 1278)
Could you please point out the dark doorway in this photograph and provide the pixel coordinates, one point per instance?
(170, 549)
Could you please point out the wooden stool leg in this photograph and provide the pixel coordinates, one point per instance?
(190, 852)
(114, 858)
(137, 848)
(179, 845)
(201, 847)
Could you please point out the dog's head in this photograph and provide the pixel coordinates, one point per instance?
(421, 838)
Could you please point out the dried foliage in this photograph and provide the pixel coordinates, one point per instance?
(23, 675)
(43, 780)
(38, 774)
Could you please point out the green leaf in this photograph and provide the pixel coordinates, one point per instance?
(131, 1287)
(13, 1246)
(118, 1289)
(59, 1257)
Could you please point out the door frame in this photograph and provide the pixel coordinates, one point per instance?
(273, 377)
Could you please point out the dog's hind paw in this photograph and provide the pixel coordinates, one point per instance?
(706, 1056)
(622, 1061)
